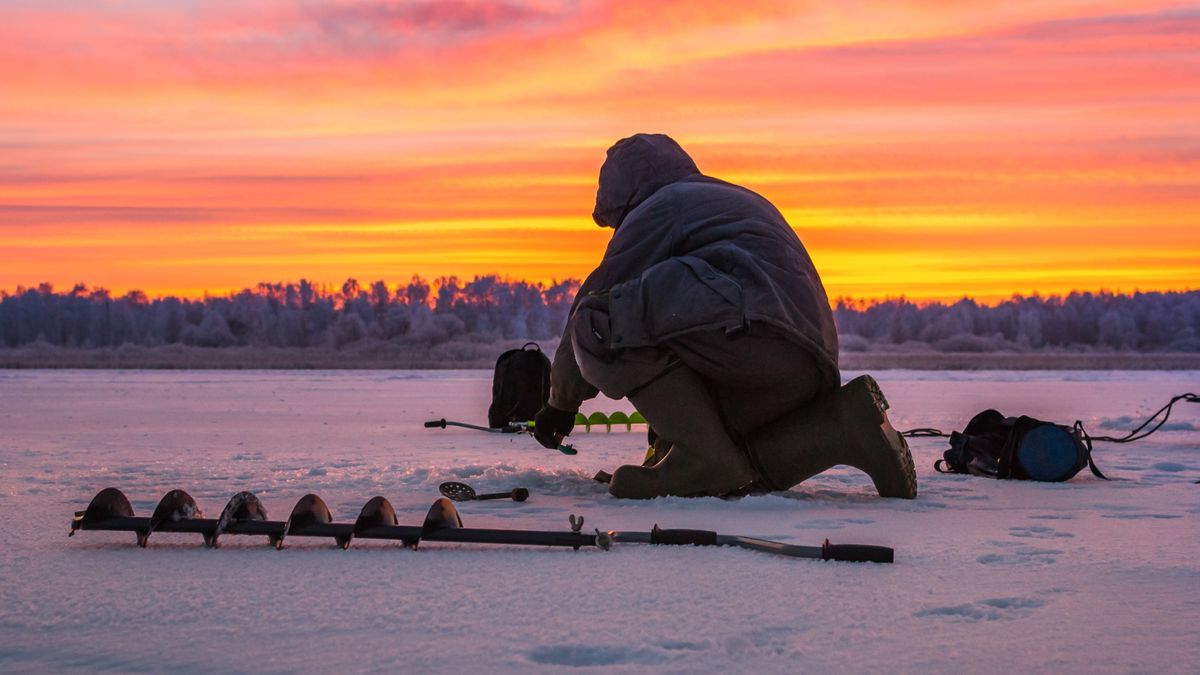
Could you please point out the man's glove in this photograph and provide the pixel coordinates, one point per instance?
(551, 424)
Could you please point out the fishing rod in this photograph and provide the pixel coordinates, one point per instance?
(512, 428)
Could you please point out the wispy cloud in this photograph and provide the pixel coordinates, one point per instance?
(942, 130)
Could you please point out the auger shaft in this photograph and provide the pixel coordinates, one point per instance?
(407, 533)
(467, 535)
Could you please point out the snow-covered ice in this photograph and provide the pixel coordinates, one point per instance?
(990, 576)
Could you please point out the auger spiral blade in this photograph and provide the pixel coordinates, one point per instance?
(378, 520)
(442, 516)
(175, 506)
(108, 503)
(309, 515)
(376, 512)
(243, 507)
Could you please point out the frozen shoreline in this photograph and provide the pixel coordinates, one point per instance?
(460, 355)
(1084, 576)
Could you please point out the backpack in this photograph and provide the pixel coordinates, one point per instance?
(1022, 448)
(520, 386)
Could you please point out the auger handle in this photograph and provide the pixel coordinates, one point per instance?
(436, 424)
(683, 537)
(857, 553)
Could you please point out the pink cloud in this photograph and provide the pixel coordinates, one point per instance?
(456, 41)
(1091, 60)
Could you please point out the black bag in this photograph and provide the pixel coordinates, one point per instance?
(1023, 448)
(520, 387)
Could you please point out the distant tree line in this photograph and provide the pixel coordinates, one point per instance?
(290, 315)
(1077, 322)
(491, 308)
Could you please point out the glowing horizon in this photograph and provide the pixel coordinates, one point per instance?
(918, 149)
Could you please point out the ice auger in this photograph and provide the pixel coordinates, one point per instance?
(245, 515)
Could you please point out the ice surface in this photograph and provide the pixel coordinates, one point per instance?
(1085, 576)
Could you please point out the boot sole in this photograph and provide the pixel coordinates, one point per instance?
(898, 460)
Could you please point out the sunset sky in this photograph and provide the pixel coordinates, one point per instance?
(925, 148)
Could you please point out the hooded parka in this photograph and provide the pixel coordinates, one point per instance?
(689, 253)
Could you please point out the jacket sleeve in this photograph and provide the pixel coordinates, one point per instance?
(626, 256)
(568, 389)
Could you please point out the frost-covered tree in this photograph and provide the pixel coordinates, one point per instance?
(304, 314)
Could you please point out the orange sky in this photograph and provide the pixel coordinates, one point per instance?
(923, 148)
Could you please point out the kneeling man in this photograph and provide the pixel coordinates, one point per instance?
(708, 315)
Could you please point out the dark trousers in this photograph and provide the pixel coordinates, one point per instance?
(753, 377)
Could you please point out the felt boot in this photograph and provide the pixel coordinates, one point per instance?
(702, 458)
(851, 427)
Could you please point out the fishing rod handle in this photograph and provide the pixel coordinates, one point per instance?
(857, 553)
